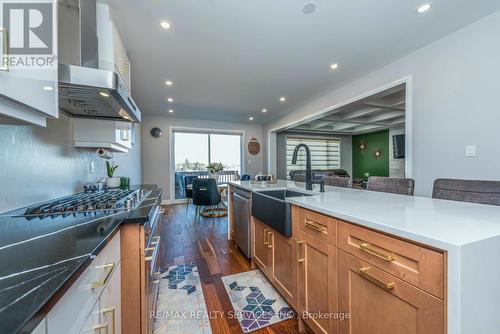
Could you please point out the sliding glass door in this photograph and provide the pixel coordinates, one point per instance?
(193, 151)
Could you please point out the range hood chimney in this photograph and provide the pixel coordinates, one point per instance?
(85, 91)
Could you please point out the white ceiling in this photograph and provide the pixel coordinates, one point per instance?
(228, 59)
(385, 110)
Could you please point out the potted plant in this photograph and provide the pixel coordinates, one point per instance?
(214, 169)
(111, 181)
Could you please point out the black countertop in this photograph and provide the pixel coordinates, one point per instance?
(38, 257)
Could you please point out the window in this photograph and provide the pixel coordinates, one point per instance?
(325, 153)
(194, 151)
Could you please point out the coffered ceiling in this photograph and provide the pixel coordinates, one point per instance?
(378, 112)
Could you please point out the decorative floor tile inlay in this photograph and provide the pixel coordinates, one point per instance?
(181, 305)
(256, 303)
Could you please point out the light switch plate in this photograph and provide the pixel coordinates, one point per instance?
(92, 167)
(470, 150)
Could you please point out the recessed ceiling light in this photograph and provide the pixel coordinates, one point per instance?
(264, 110)
(170, 99)
(309, 8)
(250, 118)
(334, 66)
(169, 83)
(282, 99)
(104, 94)
(164, 24)
(424, 8)
(171, 110)
(48, 88)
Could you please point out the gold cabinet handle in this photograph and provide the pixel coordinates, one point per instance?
(5, 46)
(299, 244)
(99, 284)
(113, 319)
(315, 226)
(265, 236)
(365, 273)
(156, 240)
(97, 327)
(150, 257)
(269, 244)
(368, 248)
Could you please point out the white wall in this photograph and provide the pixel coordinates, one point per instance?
(156, 151)
(455, 87)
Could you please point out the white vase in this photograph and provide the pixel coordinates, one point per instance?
(214, 176)
(113, 182)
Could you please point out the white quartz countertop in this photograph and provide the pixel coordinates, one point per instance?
(438, 223)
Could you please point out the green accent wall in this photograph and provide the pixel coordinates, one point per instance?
(365, 161)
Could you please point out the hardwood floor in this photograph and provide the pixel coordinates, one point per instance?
(207, 245)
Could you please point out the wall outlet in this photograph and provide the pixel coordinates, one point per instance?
(470, 150)
(92, 167)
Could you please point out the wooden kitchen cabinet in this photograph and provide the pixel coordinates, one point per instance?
(140, 251)
(380, 303)
(317, 283)
(260, 246)
(284, 266)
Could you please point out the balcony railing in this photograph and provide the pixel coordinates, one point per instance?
(222, 177)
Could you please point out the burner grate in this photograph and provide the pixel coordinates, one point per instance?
(111, 199)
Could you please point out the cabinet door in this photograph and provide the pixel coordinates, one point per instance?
(260, 247)
(317, 283)
(92, 324)
(29, 81)
(284, 266)
(110, 302)
(380, 303)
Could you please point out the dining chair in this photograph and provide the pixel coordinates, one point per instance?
(188, 192)
(337, 181)
(394, 185)
(205, 193)
(473, 191)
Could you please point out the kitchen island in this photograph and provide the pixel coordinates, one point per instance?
(465, 236)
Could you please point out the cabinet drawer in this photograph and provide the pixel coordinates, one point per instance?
(110, 253)
(380, 303)
(70, 312)
(318, 225)
(414, 264)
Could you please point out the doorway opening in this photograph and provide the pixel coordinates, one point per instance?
(367, 136)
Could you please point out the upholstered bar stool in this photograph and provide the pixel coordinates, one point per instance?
(474, 191)
(336, 181)
(395, 185)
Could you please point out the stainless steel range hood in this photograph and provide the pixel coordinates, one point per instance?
(86, 91)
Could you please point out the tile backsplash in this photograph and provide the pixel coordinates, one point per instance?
(37, 164)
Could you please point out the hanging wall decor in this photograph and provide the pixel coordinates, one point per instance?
(156, 132)
(253, 146)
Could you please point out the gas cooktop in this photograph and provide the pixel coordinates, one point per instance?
(85, 202)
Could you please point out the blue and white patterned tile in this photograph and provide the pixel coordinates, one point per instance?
(181, 304)
(255, 301)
